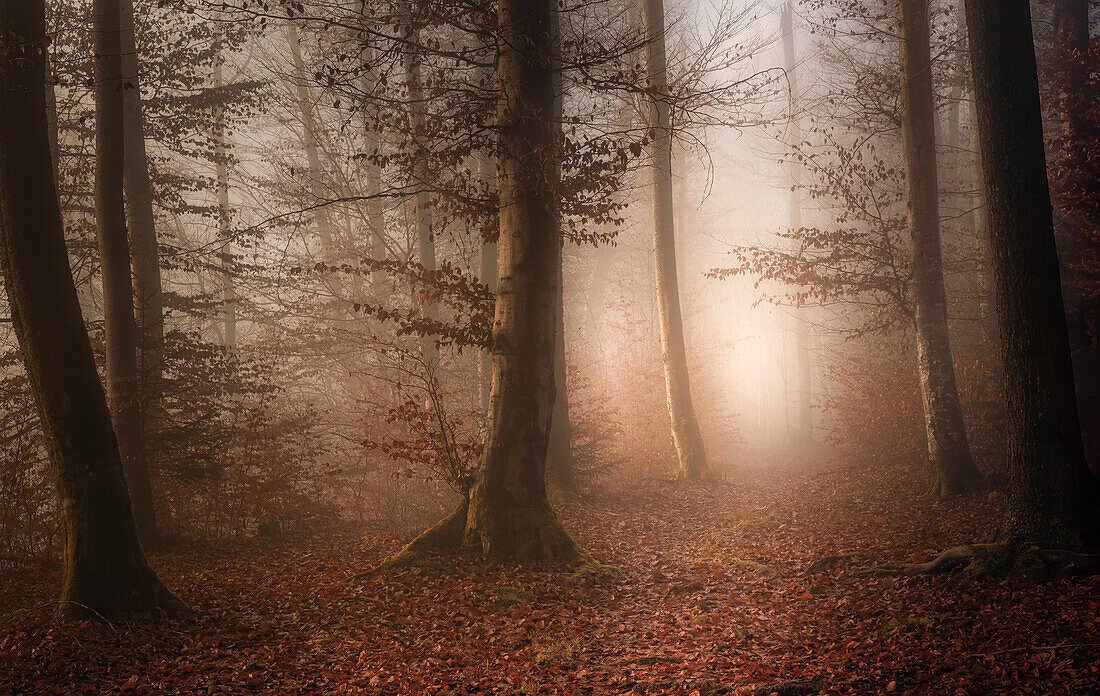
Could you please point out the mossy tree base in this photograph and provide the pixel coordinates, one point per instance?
(501, 532)
(505, 529)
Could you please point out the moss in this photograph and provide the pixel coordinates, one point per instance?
(505, 530)
(445, 535)
(555, 648)
(507, 595)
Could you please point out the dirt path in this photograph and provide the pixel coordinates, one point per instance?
(716, 591)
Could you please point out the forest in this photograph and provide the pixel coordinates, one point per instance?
(685, 347)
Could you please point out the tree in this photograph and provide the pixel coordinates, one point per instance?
(105, 568)
(507, 514)
(953, 467)
(123, 379)
(562, 476)
(148, 297)
(801, 322)
(685, 426)
(414, 87)
(1052, 498)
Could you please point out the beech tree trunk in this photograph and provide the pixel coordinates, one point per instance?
(561, 475)
(1052, 499)
(414, 86)
(488, 275)
(509, 515)
(143, 243)
(105, 568)
(801, 321)
(952, 465)
(120, 328)
(685, 426)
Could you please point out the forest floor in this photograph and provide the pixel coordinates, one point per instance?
(719, 588)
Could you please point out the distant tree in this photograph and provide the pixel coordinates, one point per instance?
(952, 465)
(145, 253)
(105, 569)
(804, 403)
(120, 327)
(686, 434)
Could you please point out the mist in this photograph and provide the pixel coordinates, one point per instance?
(523, 347)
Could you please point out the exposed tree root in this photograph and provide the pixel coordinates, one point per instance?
(1002, 558)
(827, 563)
(444, 536)
(500, 532)
(950, 558)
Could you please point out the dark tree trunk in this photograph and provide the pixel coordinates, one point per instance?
(105, 568)
(685, 426)
(953, 468)
(146, 257)
(1052, 496)
(120, 328)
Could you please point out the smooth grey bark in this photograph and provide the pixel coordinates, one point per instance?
(686, 434)
(952, 465)
(803, 351)
(148, 298)
(120, 327)
(1052, 499)
(105, 569)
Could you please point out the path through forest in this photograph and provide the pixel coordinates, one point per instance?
(720, 588)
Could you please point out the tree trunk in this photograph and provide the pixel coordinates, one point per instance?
(561, 476)
(685, 427)
(509, 515)
(1052, 499)
(414, 86)
(304, 101)
(801, 321)
(105, 568)
(376, 219)
(123, 380)
(225, 235)
(953, 468)
(488, 276)
(143, 243)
